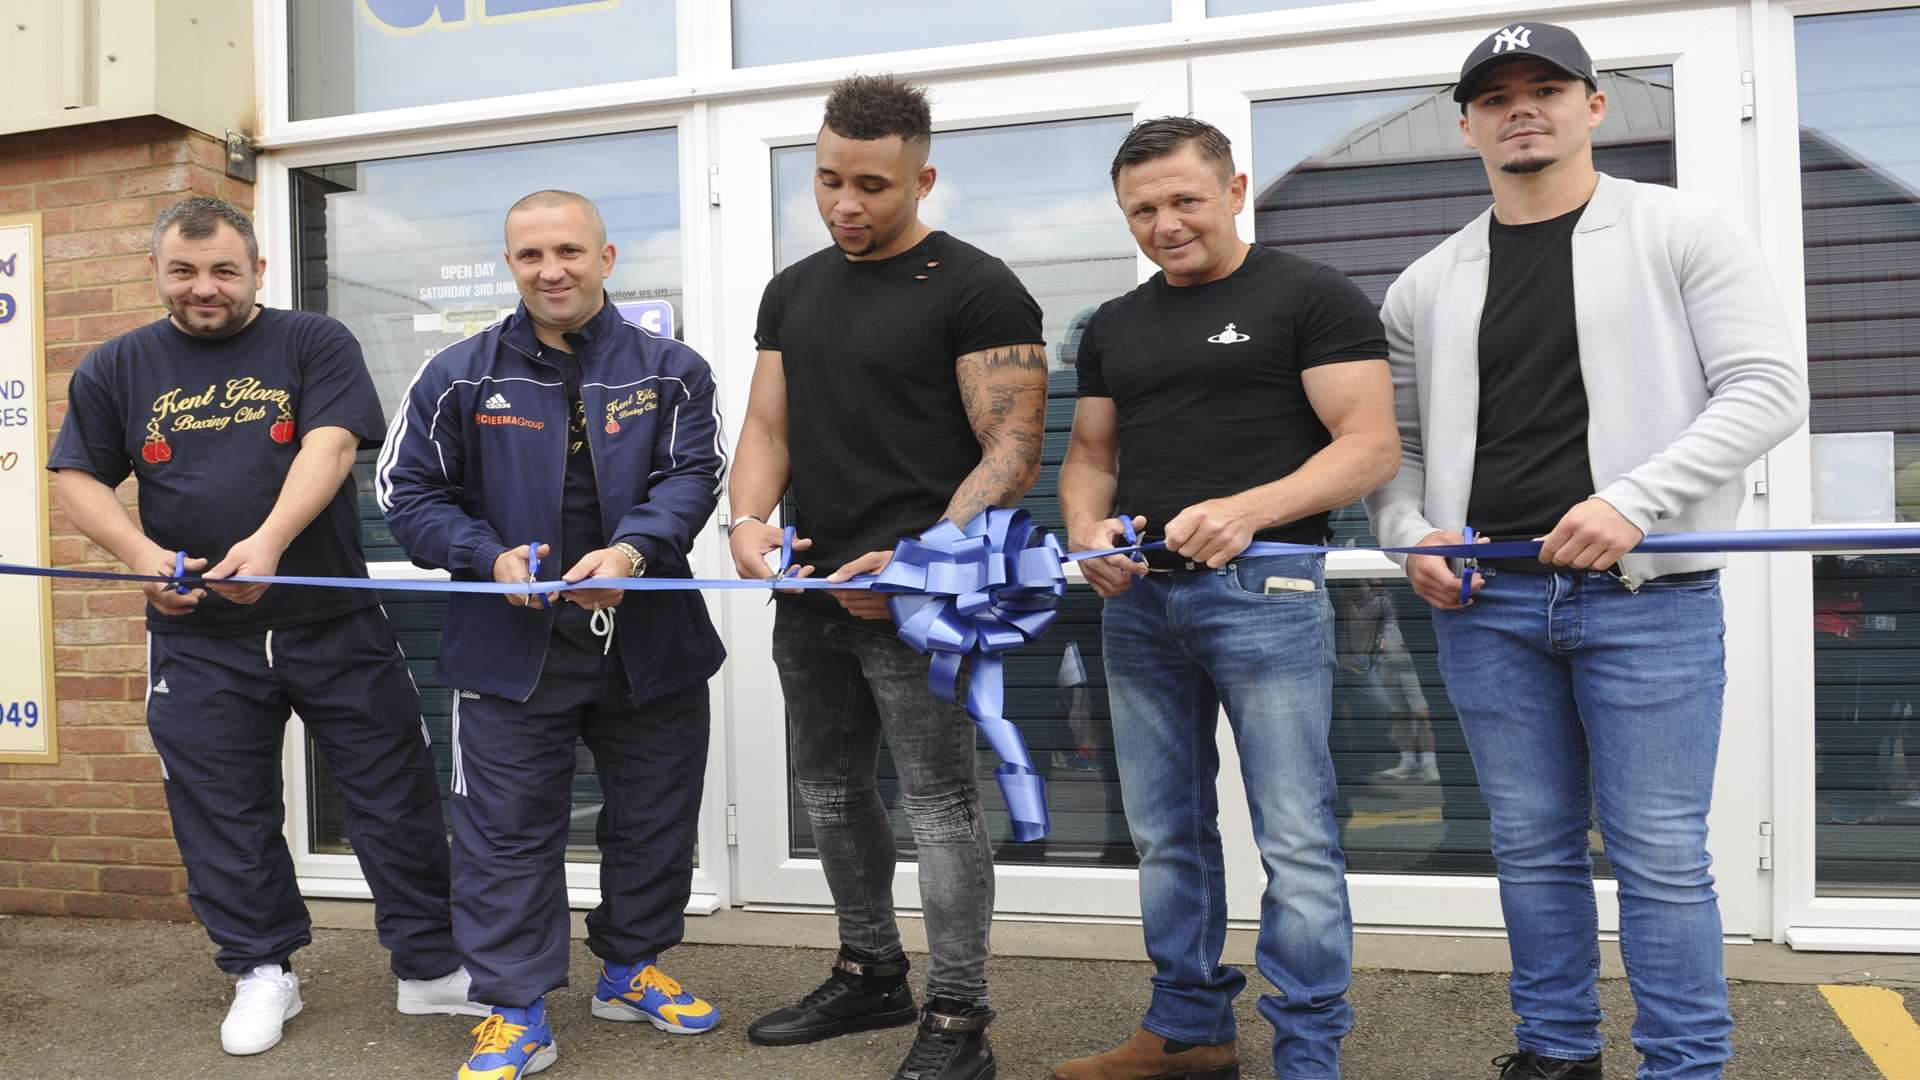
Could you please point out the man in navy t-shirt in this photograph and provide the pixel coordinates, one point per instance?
(241, 423)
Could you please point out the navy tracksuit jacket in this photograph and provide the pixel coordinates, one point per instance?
(475, 462)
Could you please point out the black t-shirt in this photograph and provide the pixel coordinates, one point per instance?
(211, 428)
(1206, 380)
(877, 436)
(1530, 457)
(580, 529)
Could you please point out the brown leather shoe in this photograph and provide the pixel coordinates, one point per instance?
(1145, 1057)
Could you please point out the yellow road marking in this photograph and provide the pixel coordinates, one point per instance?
(1880, 1023)
(1380, 819)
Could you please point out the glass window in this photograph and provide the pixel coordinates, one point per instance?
(387, 54)
(1217, 8)
(1367, 183)
(1859, 174)
(1083, 258)
(1056, 690)
(780, 31)
(407, 252)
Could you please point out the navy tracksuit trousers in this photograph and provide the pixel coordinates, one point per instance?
(512, 803)
(217, 708)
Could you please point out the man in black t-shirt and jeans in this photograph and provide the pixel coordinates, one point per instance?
(1240, 394)
(241, 423)
(901, 380)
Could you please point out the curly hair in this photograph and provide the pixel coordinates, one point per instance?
(868, 107)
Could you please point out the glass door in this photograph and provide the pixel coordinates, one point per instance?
(1850, 753)
(1022, 163)
(1356, 159)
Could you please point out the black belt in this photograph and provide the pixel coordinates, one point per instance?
(1169, 562)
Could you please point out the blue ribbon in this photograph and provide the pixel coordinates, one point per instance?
(993, 588)
(981, 591)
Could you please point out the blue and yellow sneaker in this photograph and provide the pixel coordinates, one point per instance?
(641, 991)
(510, 1044)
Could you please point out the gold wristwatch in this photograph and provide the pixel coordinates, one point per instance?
(634, 556)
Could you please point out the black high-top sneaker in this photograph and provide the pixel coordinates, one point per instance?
(1527, 1065)
(860, 994)
(952, 1044)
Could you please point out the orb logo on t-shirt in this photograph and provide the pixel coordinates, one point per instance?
(1229, 336)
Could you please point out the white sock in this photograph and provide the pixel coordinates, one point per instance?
(1426, 758)
(1407, 760)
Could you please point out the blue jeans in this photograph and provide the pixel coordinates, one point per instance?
(1576, 695)
(1178, 646)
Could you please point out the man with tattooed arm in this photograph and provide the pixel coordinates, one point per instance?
(901, 380)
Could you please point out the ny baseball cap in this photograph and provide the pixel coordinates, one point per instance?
(1556, 45)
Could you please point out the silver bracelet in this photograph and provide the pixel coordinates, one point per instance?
(738, 521)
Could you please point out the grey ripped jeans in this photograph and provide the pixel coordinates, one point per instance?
(844, 687)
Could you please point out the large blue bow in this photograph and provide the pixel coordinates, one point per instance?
(984, 590)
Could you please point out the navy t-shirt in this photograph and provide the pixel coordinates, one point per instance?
(580, 527)
(210, 428)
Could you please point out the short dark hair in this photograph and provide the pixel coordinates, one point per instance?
(198, 217)
(1167, 135)
(868, 107)
(550, 197)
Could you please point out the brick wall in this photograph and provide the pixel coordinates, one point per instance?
(89, 835)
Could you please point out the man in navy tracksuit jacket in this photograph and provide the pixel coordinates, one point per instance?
(567, 426)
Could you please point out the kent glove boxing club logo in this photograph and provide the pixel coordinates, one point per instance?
(638, 403)
(217, 408)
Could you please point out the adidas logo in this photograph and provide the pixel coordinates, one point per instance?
(499, 401)
(1229, 336)
(470, 694)
(161, 686)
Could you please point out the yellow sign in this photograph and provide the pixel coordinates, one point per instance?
(26, 603)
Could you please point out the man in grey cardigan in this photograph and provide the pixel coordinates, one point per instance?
(1589, 361)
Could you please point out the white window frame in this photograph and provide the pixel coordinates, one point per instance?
(332, 875)
(1803, 919)
(1769, 615)
(746, 135)
(1701, 46)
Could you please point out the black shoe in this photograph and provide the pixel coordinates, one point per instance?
(859, 995)
(1527, 1065)
(952, 1044)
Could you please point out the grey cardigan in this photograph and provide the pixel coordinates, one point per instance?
(1690, 372)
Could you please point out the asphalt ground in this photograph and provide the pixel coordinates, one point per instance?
(98, 998)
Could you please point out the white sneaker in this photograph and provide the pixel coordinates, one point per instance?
(1430, 773)
(263, 1001)
(1399, 774)
(446, 995)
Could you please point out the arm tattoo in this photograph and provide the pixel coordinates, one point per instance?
(1004, 392)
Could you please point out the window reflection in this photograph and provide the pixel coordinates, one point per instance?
(353, 56)
(407, 253)
(1218, 8)
(780, 31)
(1054, 222)
(1860, 200)
(1367, 183)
